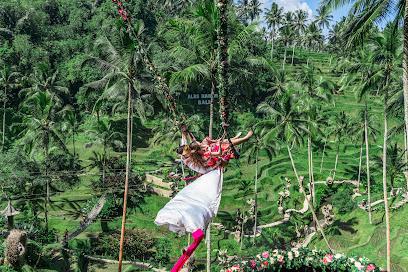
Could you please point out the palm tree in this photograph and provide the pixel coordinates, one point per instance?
(106, 135)
(175, 5)
(288, 125)
(273, 19)
(323, 17)
(47, 81)
(254, 9)
(385, 53)
(340, 128)
(315, 90)
(357, 131)
(243, 7)
(313, 36)
(223, 63)
(279, 84)
(257, 145)
(122, 71)
(361, 74)
(367, 13)
(299, 26)
(395, 163)
(41, 132)
(8, 81)
(335, 36)
(202, 50)
(286, 36)
(71, 122)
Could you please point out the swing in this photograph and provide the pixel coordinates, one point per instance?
(190, 211)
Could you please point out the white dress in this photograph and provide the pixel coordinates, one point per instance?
(194, 206)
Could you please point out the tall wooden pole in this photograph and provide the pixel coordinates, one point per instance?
(367, 164)
(128, 161)
(385, 190)
(208, 241)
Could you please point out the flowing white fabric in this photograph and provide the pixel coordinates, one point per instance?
(194, 206)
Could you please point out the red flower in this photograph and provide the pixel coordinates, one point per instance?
(265, 263)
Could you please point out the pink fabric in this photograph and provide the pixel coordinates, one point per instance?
(198, 236)
(212, 161)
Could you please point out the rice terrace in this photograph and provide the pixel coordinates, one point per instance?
(203, 135)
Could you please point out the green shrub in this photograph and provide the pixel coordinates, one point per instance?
(6, 268)
(42, 236)
(342, 200)
(163, 250)
(137, 245)
(34, 250)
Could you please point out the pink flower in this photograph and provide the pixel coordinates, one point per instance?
(329, 257)
(359, 266)
(252, 264)
(265, 254)
(235, 268)
(280, 258)
(370, 267)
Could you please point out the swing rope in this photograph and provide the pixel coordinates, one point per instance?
(161, 84)
(159, 80)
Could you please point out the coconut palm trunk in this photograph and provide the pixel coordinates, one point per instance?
(308, 167)
(4, 118)
(311, 207)
(406, 155)
(242, 231)
(273, 43)
(312, 176)
(208, 241)
(128, 162)
(368, 166)
(405, 75)
(47, 185)
(385, 190)
(256, 195)
(210, 127)
(324, 150)
(284, 60)
(337, 160)
(293, 52)
(360, 164)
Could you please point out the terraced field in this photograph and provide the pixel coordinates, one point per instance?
(354, 236)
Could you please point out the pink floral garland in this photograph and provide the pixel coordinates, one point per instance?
(121, 10)
(296, 259)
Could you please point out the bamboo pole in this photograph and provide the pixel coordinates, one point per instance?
(128, 162)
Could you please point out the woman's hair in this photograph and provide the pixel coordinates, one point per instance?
(193, 154)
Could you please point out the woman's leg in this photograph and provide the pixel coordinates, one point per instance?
(198, 236)
(240, 140)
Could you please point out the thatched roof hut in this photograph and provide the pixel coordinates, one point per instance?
(9, 210)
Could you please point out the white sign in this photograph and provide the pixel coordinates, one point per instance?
(202, 99)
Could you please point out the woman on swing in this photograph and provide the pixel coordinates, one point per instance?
(192, 209)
